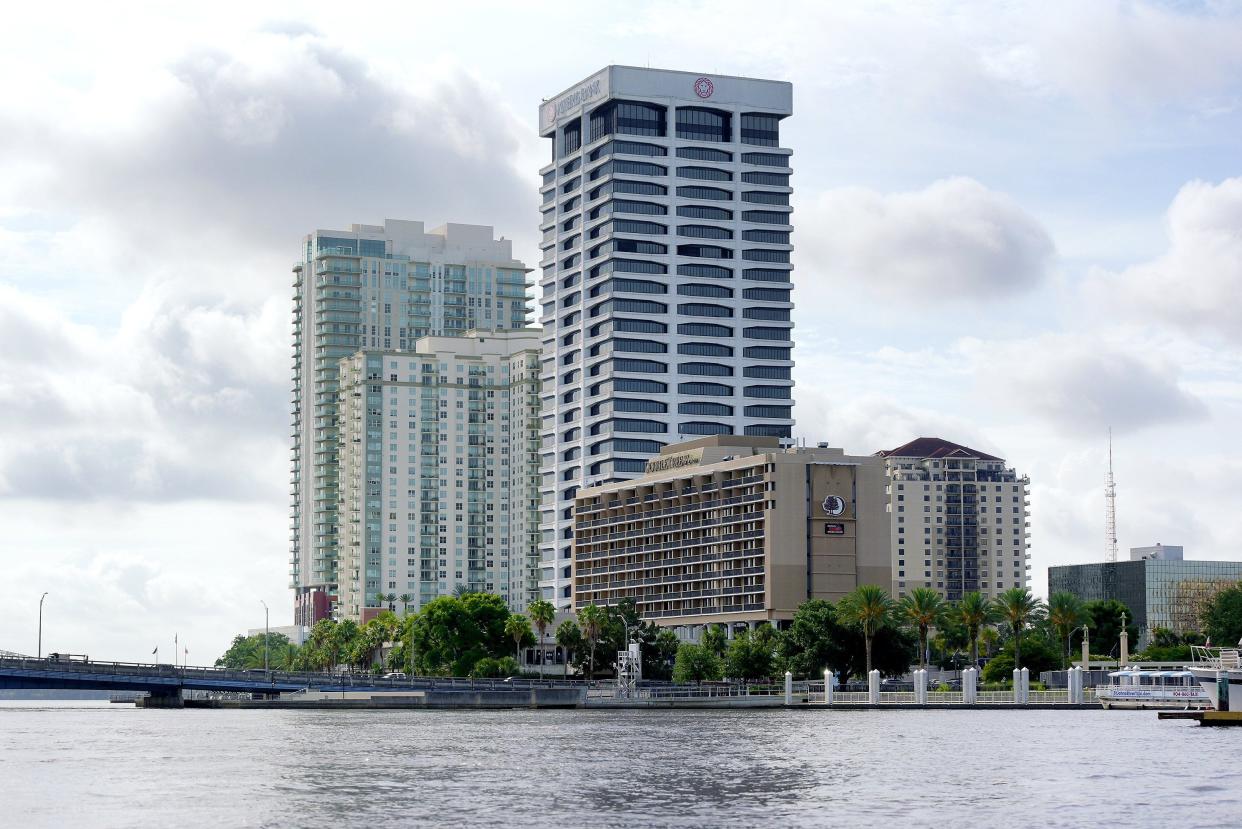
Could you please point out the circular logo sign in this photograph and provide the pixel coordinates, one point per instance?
(834, 505)
(704, 88)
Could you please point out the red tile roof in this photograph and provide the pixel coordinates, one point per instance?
(935, 448)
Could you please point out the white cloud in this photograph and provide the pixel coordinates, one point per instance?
(1195, 284)
(954, 240)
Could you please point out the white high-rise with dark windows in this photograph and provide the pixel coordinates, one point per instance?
(666, 278)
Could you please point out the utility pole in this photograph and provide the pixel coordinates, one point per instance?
(41, 598)
(1110, 507)
(267, 633)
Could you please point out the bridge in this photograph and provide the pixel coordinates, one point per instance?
(164, 684)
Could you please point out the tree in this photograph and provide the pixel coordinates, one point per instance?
(541, 614)
(750, 654)
(1040, 654)
(569, 637)
(923, 607)
(452, 633)
(816, 640)
(1104, 617)
(975, 611)
(714, 639)
(1064, 614)
(1222, 617)
(380, 598)
(1018, 608)
(871, 608)
(491, 667)
(659, 656)
(696, 663)
(591, 621)
(517, 628)
(405, 598)
(246, 652)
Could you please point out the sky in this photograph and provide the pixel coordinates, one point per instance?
(1017, 225)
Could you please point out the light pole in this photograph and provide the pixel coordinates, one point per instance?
(1085, 646)
(41, 598)
(266, 631)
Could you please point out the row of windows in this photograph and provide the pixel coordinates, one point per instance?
(628, 246)
(630, 168)
(704, 232)
(627, 117)
(703, 154)
(628, 266)
(765, 197)
(770, 179)
(621, 185)
(705, 173)
(627, 147)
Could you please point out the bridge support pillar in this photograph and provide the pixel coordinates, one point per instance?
(168, 700)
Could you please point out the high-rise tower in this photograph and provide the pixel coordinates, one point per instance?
(375, 288)
(666, 278)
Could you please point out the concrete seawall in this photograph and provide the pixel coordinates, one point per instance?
(490, 699)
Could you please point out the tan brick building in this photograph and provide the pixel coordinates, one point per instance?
(731, 529)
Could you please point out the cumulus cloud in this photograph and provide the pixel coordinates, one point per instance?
(1081, 386)
(1195, 284)
(954, 240)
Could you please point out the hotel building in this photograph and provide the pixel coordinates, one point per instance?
(960, 520)
(439, 472)
(377, 288)
(665, 274)
(732, 529)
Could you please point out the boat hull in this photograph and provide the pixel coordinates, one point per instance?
(1213, 680)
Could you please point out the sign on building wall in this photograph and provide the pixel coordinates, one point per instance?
(593, 89)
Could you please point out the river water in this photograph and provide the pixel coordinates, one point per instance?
(100, 765)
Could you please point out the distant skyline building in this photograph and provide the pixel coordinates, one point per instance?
(666, 277)
(733, 530)
(381, 288)
(1156, 552)
(960, 520)
(439, 472)
(1160, 592)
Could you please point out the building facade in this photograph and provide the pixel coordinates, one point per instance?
(1156, 551)
(439, 472)
(666, 277)
(378, 288)
(1160, 593)
(731, 529)
(960, 520)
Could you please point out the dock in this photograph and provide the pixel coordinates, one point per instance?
(1212, 718)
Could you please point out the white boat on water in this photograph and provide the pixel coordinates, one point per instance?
(1135, 688)
(1219, 673)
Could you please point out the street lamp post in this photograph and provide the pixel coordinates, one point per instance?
(41, 598)
(267, 616)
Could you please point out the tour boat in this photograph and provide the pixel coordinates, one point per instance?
(1134, 688)
(1219, 670)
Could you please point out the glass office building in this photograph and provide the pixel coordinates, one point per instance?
(666, 237)
(1160, 593)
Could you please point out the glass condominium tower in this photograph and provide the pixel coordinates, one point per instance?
(666, 279)
(378, 288)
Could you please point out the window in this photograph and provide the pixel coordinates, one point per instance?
(765, 275)
(632, 168)
(766, 352)
(781, 392)
(626, 404)
(765, 197)
(628, 246)
(629, 226)
(767, 294)
(571, 137)
(778, 314)
(694, 191)
(705, 251)
(766, 159)
(764, 255)
(701, 427)
(639, 366)
(704, 173)
(783, 412)
(705, 389)
(632, 306)
(766, 217)
(647, 447)
(627, 118)
(703, 154)
(760, 129)
(646, 346)
(628, 206)
(707, 271)
(639, 326)
(707, 369)
(764, 430)
(695, 289)
(771, 237)
(766, 372)
(699, 124)
(640, 386)
(704, 232)
(627, 147)
(706, 329)
(621, 185)
(625, 424)
(703, 309)
(696, 211)
(702, 408)
(707, 350)
(769, 179)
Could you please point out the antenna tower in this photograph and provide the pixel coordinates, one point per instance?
(1110, 507)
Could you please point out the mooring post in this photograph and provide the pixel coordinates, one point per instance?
(873, 687)
(827, 687)
(788, 688)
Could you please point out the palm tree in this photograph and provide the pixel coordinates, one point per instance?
(391, 598)
(380, 598)
(869, 606)
(1019, 608)
(975, 611)
(517, 628)
(591, 620)
(923, 607)
(1064, 614)
(405, 598)
(541, 613)
(568, 636)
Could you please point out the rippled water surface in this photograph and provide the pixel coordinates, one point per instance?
(93, 764)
